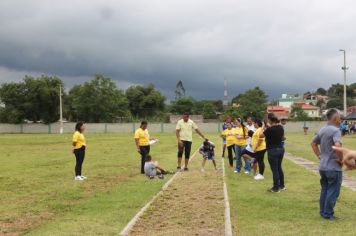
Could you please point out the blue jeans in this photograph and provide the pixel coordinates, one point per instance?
(239, 150)
(275, 158)
(330, 182)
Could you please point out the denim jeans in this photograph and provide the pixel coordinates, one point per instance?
(275, 158)
(330, 182)
(239, 150)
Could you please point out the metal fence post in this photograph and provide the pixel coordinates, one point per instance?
(162, 127)
(133, 127)
(219, 130)
(49, 128)
(105, 128)
(21, 128)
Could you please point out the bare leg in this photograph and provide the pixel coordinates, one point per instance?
(179, 161)
(214, 163)
(223, 152)
(203, 163)
(186, 161)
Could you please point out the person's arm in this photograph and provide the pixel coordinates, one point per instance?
(260, 140)
(200, 133)
(178, 137)
(316, 149)
(349, 157)
(137, 145)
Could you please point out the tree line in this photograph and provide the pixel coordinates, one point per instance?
(100, 100)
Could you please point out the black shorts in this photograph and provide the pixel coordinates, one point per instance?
(246, 152)
(186, 148)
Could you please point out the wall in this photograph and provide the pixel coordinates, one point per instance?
(130, 127)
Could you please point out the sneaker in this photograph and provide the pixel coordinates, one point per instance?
(259, 177)
(236, 171)
(83, 177)
(271, 190)
(179, 168)
(161, 177)
(185, 168)
(282, 189)
(78, 178)
(202, 170)
(247, 172)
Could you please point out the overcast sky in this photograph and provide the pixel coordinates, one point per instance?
(281, 46)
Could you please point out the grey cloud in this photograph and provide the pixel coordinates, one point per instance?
(281, 46)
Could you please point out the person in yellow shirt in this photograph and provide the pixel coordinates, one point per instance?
(229, 134)
(241, 143)
(184, 134)
(257, 151)
(79, 145)
(142, 140)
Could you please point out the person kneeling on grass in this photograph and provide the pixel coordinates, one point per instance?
(207, 150)
(152, 169)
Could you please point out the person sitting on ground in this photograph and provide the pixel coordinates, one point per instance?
(153, 169)
(207, 150)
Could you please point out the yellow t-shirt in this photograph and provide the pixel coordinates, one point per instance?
(241, 141)
(230, 136)
(79, 140)
(143, 137)
(186, 129)
(255, 138)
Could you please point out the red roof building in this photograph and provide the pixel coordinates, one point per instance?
(279, 111)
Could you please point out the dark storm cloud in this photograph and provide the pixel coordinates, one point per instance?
(281, 46)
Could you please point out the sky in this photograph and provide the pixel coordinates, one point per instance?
(281, 46)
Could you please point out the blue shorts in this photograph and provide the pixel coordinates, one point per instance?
(209, 155)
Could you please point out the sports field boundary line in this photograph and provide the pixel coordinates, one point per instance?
(227, 216)
(134, 220)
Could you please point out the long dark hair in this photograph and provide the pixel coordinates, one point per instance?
(243, 126)
(79, 125)
(273, 118)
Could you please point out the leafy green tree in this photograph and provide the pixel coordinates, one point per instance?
(98, 100)
(34, 99)
(209, 111)
(252, 103)
(145, 101)
(298, 114)
(335, 103)
(321, 91)
(337, 91)
(182, 105)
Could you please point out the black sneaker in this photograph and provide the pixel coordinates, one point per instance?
(282, 188)
(178, 168)
(151, 177)
(272, 190)
(185, 168)
(161, 177)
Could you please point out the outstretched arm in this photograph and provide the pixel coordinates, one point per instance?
(200, 133)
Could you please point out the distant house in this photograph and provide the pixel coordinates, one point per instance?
(287, 100)
(310, 110)
(279, 111)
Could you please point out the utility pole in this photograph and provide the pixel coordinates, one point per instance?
(60, 111)
(344, 68)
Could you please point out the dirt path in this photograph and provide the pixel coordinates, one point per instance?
(192, 205)
(348, 182)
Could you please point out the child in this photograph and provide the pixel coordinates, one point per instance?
(207, 150)
(152, 168)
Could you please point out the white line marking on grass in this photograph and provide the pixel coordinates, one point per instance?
(228, 228)
(134, 220)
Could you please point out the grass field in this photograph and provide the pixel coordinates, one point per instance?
(38, 195)
(295, 211)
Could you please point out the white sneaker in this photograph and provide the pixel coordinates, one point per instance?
(78, 178)
(247, 172)
(83, 177)
(202, 170)
(235, 171)
(259, 177)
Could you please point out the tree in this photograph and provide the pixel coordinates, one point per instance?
(34, 99)
(208, 111)
(337, 91)
(252, 103)
(145, 101)
(335, 103)
(98, 100)
(298, 114)
(321, 91)
(182, 105)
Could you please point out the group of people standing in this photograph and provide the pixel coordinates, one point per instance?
(250, 142)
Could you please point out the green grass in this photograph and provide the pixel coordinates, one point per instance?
(299, 145)
(293, 212)
(39, 196)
